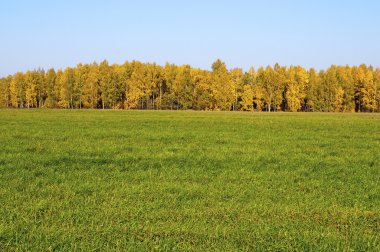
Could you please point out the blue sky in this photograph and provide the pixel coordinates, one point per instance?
(242, 33)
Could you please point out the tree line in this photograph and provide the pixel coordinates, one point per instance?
(136, 85)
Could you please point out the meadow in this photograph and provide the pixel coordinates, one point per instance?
(98, 180)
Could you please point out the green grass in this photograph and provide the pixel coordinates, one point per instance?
(134, 180)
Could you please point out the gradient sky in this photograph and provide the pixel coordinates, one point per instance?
(310, 33)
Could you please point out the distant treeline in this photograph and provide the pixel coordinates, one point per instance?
(136, 85)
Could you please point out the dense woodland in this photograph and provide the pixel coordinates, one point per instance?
(136, 85)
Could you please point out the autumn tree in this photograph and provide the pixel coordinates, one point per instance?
(30, 89)
(311, 98)
(247, 98)
(51, 89)
(359, 76)
(237, 79)
(295, 88)
(376, 79)
(5, 95)
(105, 79)
(66, 87)
(369, 92)
(91, 87)
(279, 85)
(258, 89)
(137, 87)
(118, 85)
(41, 86)
(17, 90)
(346, 88)
(223, 92)
(267, 80)
(80, 76)
(168, 99)
(183, 88)
(155, 81)
(203, 99)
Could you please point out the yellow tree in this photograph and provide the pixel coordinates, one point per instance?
(110, 85)
(5, 96)
(258, 97)
(237, 79)
(312, 98)
(369, 92)
(31, 89)
(247, 98)
(223, 92)
(168, 98)
(118, 85)
(338, 103)
(57, 87)
(202, 92)
(376, 79)
(91, 89)
(105, 77)
(125, 73)
(295, 88)
(51, 100)
(258, 89)
(268, 84)
(183, 87)
(41, 87)
(292, 91)
(346, 82)
(359, 76)
(80, 76)
(279, 85)
(137, 87)
(17, 90)
(334, 92)
(66, 86)
(155, 78)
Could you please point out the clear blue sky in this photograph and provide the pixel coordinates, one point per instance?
(63, 33)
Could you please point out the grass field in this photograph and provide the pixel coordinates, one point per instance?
(134, 180)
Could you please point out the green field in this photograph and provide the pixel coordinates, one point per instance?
(160, 180)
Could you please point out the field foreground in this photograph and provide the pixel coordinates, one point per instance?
(120, 180)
